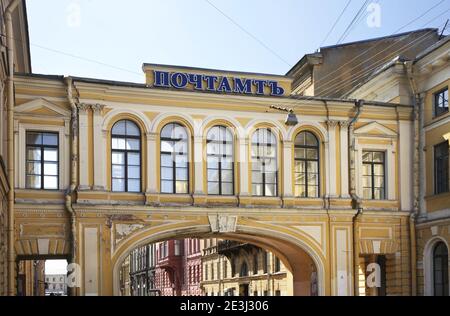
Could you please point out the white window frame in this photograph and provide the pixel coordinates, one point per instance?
(390, 172)
(63, 152)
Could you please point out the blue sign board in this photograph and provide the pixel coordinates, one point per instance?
(180, 80)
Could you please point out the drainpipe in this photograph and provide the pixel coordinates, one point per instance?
(356, 201)
(73, 172)
(418, 172)
(10, 147)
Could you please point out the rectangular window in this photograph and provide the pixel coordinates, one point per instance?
(441, 102)
(42, 167)
(373, 175)
(441, 168)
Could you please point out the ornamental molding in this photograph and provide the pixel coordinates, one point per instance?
(222, 223)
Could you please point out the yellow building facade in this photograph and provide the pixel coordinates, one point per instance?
(97, 168)
(324, 230)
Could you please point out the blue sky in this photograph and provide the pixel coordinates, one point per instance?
(125, 34)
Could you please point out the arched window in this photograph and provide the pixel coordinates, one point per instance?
(174, 159)
(264, 163)
(306, 165)
(219, 143)
(126, 157)
(440, 269)
(244, 270)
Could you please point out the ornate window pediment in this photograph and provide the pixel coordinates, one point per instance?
(375, 129)
(41, 107)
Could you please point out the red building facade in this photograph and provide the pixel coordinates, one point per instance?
(178, 267)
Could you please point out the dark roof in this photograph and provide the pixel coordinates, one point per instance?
(303, 59)
(380, 38)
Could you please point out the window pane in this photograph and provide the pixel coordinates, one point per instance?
(300, 178)
(167, 186)
(132, 129)
(34, 138)
(271, 177)
(300, 190)
(119, 128)
(378, 170)
(133, 144)
(181, 186)
(213, 175)
(379, 182)
(118, 158)
(300, 153)
(257, 189)
(227, 163)
(271, 151)
(227, 188)
(167, 173)
(213, 187)
(300, 139)
(167, 146)
(312, 191)
(34, 182)
(50, 182)
(270, 190)
(180, 147)
(179, 132)
(167, 131)
(50, 154)
(367, 156)
(227, 175)
(181, 161)
(379, 193)
(34, 168)
(34, 154)
(166, 160)
(134, 159)
(256, 177)
(182, 173)
(50, 139)
(367, 181)
(134, 172)
(311, 140)
(118, 171)
(51, 169)
(213, 148)
(118, 143)
(118, 185)
(367, 169)
(312, 179)
(378, 157)
(271, 165)
(299, 166)
(229, 149)
(367, 193)
(313, 166)
(311, 153)
(134, 185)
(213, 162)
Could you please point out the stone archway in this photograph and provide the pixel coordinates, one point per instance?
(298, 255)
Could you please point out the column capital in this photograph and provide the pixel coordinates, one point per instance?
(332, 123)
(288, 143)
(83, 107)
(97, 108)
(344, 124)
(151, 136)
